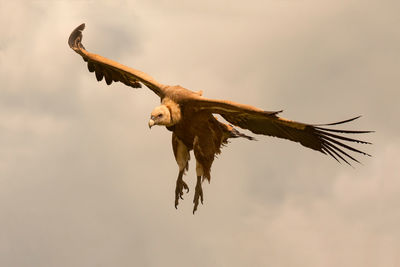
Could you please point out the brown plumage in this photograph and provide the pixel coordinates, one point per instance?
(189, 116)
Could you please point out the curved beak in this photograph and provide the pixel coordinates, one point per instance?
(151, 123)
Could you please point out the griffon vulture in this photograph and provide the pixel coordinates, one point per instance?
(189, 116)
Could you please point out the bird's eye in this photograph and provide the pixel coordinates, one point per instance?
(159, 115)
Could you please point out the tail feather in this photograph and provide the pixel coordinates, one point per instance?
(234, 133)
(230, 132)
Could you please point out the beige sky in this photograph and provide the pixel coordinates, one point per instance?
(83, 182)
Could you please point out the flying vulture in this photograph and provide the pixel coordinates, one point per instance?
(190, 118)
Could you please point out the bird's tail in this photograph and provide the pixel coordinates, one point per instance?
(231, 132)
(234, 133)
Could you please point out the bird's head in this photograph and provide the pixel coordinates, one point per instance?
(160, 116)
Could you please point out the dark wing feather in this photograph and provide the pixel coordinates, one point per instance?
(323, 139)
(110, 70)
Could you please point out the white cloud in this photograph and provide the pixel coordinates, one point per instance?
(84, 183)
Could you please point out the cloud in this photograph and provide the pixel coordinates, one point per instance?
(84, 183)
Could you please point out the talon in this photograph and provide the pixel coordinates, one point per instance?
(198, 194)
(186, 187)
(180, 185)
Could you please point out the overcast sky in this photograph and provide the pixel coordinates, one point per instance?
(83, 182)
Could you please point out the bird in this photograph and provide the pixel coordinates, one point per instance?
(191, 118)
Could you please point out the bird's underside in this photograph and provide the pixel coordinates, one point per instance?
(189, 116)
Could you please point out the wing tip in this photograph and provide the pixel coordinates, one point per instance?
(75, 38)
(339, 122)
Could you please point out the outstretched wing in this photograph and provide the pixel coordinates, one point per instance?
(111, 70)
(318, 137)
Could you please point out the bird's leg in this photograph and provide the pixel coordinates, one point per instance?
(198, 193)
(180, 185)
(182, 157)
